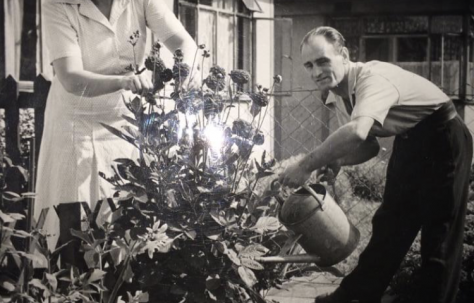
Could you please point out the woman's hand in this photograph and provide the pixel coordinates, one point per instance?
(138, 84)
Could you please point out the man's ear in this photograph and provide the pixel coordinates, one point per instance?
(345, 54)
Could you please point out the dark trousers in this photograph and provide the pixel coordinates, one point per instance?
(426, 188)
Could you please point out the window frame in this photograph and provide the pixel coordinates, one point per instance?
(216, 11)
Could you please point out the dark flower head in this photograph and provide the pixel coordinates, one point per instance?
(212, 106)
(190, 102)
(259, 138)
(240, 76)
(156, 46)
(215, 83)
(255, 109)
(242, 128)
(150, 98)
(166, 75)
(260, 98)
(278, 79)
(180, 71)
(202, 46)
(155, 63)
(178, 53)
(217, 70)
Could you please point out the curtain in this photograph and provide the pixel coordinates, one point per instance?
(13, 29)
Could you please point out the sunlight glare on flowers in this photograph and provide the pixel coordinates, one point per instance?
(215, 136)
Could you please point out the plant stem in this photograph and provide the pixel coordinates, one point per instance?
(247, 201)
(192, 68)
(231, 102)
(120, 281)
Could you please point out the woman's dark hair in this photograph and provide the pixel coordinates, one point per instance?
(332, 36)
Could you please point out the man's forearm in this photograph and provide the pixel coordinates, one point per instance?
(366, 151)
(340, 144)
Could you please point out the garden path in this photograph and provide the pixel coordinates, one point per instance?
(305, 289)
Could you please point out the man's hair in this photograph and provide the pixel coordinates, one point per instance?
(331, 35)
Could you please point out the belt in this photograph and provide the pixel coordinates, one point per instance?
(442, 115)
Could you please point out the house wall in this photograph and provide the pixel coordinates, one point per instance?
(315, 7)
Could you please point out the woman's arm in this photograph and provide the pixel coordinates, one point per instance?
(80, 82)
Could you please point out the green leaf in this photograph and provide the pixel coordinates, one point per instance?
(96, 275)
(21, 234)
(7, 283)
(254, 250)
(265, 224)
(132, 131)
(17, 216)
(130, 120)
(84, 236)
(92, 258)
(191, 233)
(213, 282)
(250, 263)
(120, 134)
(233, 257)
(143, 297)
(128, 274)
(6, 218)
(39, 259)
(11, 196)
(247, 275)
(52, 281)
(119, 252)
(38, 284)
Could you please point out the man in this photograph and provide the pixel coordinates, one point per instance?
(427, 176)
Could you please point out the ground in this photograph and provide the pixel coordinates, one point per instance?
(305, 289)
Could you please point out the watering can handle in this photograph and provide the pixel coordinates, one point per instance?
(308, 188)
(314, 194)
(278, 197)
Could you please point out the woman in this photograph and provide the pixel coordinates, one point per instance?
(88, 42)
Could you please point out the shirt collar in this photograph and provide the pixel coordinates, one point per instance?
(354, 69)
(89, 10)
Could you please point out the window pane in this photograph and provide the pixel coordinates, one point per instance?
(207, 36)
(244, 60)
(352, 44)
(412, 49)
(377, 49)
(452, 48)
(225, 32)
(187, 16)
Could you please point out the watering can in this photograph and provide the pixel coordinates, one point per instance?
(324, 228)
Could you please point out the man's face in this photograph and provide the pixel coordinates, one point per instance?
(323, 62)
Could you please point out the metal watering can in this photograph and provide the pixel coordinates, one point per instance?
(326, 231)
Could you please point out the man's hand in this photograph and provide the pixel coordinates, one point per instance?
(329, 173)
(295, 175)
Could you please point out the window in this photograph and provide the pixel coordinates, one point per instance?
(224, 26)
(412, 49)
(377, 49)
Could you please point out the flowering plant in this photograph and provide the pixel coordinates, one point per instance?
(193, 221)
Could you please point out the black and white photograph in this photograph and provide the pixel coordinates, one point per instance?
(236, 151)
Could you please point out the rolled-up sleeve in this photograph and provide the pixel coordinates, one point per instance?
(375, 95)
(61, 37)
(161, 20)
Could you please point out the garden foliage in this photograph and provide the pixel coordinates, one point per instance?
(189, 222)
